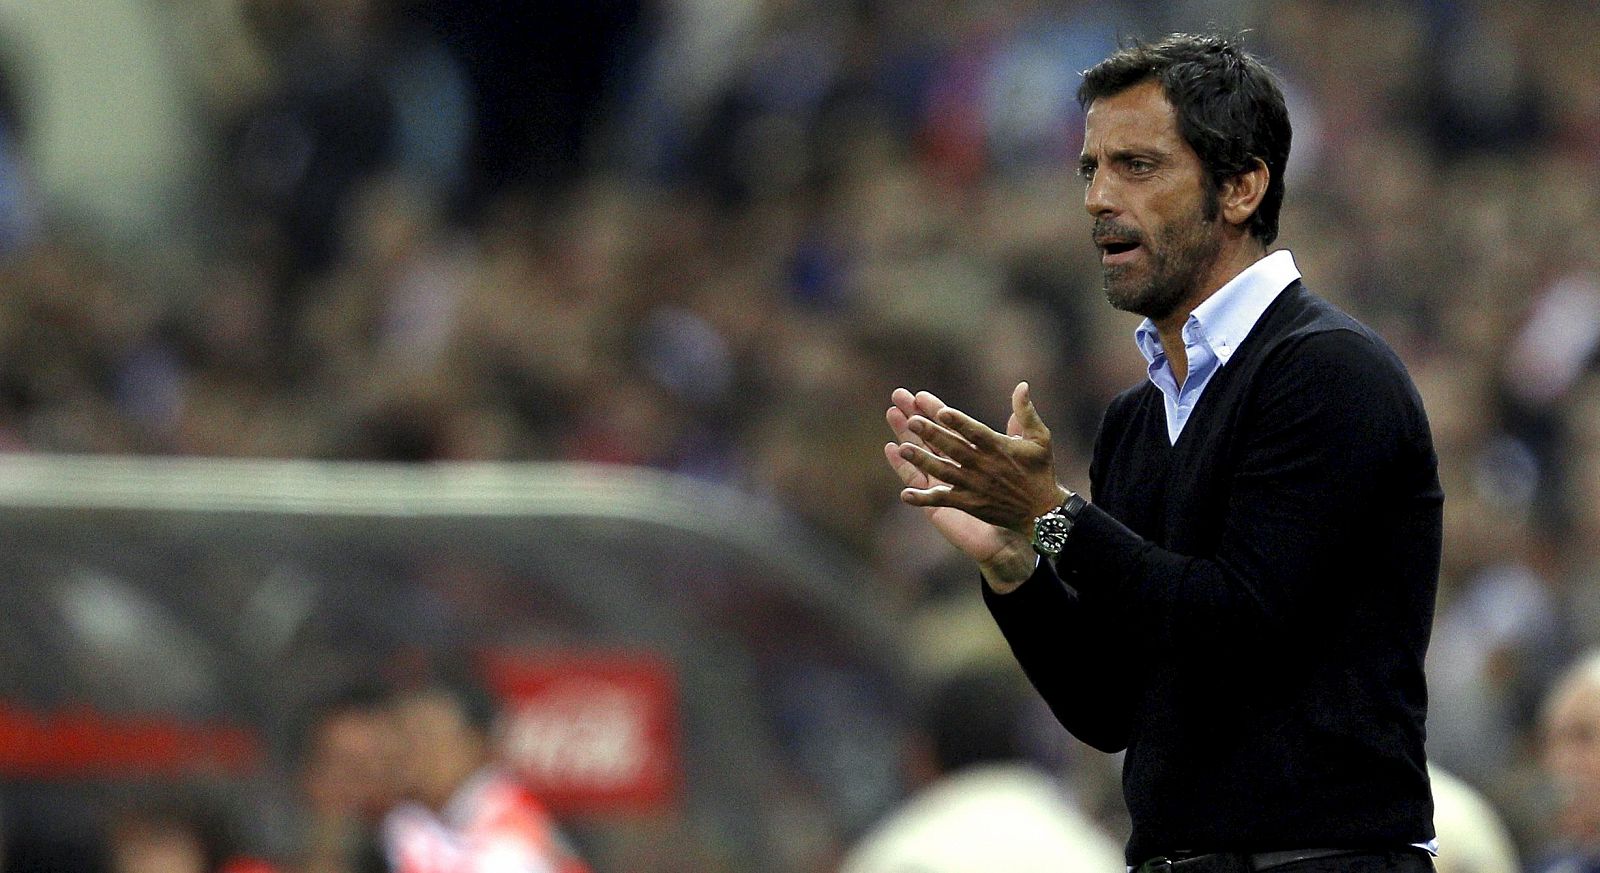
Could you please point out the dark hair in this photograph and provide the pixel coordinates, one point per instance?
(974, 716)
(460, 683)
(358, 697)
(1230, 109)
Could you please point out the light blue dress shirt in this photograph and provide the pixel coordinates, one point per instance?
(1212, 334)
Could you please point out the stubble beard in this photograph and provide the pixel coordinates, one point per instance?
(1177, 259)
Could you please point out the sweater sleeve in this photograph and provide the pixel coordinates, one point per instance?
(1323, 437)
(1070, 643)
(1070, 651)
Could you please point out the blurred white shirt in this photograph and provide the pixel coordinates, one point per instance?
(1472, 837)
(983, 819)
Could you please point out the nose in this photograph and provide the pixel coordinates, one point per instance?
(1097, 196)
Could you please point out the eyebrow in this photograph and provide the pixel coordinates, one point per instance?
(1087, 161)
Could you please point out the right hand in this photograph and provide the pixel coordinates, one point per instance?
(1005, 556)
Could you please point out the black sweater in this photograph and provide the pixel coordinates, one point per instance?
(1246, 611)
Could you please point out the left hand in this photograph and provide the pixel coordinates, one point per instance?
(1006, 479)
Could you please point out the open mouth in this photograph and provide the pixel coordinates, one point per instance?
(1117, 251)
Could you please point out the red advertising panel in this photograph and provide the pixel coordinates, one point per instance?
(592, 733)
(84, 742)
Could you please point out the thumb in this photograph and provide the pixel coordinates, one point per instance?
(1026, 416)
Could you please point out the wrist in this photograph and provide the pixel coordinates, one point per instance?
(1049, 532)
(1010, 567)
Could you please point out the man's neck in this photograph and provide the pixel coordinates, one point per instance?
(1229, 263)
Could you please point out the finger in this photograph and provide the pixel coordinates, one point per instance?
(908, 473)
(905, 406)
(928, 404)
(904, 399)
(938, 495)
(901, 425)
(938, 438)
(897, 418)
(935, 467)
(972, 430)
(1029, 424)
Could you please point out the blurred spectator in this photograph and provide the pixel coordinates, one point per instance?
(326, 124)
(158, 841)
(19, 217)
(349, 779)
(1472, 838)
(1572, 763)
(161, 829)
(1497, 642)
(463, 813)
(981, 806)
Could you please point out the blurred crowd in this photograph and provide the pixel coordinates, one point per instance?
(711, 235)
(387, 781)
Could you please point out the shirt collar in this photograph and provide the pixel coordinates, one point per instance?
(1224, 319)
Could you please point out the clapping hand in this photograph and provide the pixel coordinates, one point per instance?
(981, 489)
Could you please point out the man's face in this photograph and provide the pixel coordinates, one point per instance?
(156, 847)
(353, 765)
(1155, 219)
(442, 748)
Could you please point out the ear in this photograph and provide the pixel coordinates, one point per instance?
(1241, 195)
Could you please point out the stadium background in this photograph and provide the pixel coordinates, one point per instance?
(682, 249)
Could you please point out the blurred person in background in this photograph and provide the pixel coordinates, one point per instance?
(1246, 605)
(982, 804)
(153, 839)
(1572, 762)
(462, 812)
(349, 780)
(172, 830)
(1472, 836)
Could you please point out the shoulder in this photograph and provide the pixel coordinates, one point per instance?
(1316, 339)
(1322, 367)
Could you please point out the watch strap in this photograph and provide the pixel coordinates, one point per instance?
(1073, 506)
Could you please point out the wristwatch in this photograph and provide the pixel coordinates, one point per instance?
(1051, 529)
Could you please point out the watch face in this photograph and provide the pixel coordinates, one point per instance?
(1050, 534)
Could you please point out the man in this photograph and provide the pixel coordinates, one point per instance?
(1245, 605)
(466, 815)
(170, 828)
(161, 834)
(348, 780)
(1571, 722)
